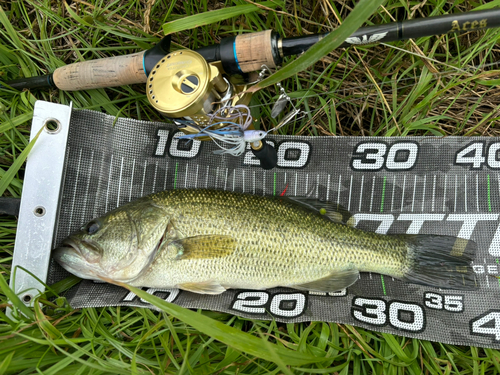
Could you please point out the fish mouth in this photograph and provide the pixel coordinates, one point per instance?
(71, 257)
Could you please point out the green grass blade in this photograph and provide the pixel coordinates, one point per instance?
(208, 18)
(230, 336)
(4, 366)
(15, 300)
(14, 168)
(361, 12)
(10, 123)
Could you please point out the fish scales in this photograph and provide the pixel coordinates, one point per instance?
(277, 243)
(207, 241)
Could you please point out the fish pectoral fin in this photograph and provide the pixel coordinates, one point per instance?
(331, 283)
(206, 287)
(204, 247)
(334, 212)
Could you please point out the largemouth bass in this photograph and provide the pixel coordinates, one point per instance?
(207, 241)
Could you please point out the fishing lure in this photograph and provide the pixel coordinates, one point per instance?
(233, 137)
(229, 124)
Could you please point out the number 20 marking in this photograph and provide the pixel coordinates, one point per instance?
(373, 156)
(286, 305)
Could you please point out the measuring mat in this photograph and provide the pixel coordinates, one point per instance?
(448, 186)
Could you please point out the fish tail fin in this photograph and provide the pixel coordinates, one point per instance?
(440, 261)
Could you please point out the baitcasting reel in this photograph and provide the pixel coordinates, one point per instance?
(207, 104)
(183, 86)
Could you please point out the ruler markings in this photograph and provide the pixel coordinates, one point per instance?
(383, 195)
(234, 179)
(165, 180)
(196, 176)
(433, 192)
(498, 279)
(403, 193)
(327, 188)
(216, 177)
(274, 184)
(444, 192)
(85, 197)
(225, 181)
(307, 184)
(144, 177)
(393, 190)
(499, 189)
(465, 194)
(186, 176)
(350, 192)
(373, 190)
(254, 182)
(414, 191)
(423, 192)
(132, 181)
(74, 191)
(109, 181)
(154, 178)
(489, 201)
(119, 184)
(264, 182)
(317, 186)
(338, 193)
(456, 187)
(208, 174)
(477, 192)
(175, 175)
(243, 178)
(97, 201)
(295, 187)
(361, 192)
(487, 278)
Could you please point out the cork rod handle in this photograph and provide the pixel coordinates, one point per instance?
(100, 73)
(255, 49)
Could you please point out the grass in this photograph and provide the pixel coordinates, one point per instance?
(441, 85)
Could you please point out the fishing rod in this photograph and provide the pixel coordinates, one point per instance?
(204, 90)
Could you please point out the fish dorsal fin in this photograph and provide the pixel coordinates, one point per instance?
(332, 283)
(204, 247)
(333, 211)
(205, 287)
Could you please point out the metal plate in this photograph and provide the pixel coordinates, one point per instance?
(40, 200)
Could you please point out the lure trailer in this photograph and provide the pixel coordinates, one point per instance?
(204, 91)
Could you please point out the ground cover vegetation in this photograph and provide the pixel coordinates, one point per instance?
(440, 85)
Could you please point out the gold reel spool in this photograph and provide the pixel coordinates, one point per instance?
(184, 85)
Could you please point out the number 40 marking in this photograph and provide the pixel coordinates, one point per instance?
(487, 324)
(473, 155)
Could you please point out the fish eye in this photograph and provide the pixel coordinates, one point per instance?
(92, 227)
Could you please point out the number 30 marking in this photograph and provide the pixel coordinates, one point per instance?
(373, 156)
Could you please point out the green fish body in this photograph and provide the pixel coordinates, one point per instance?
(207, 241)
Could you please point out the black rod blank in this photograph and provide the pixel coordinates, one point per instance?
(391, 32)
